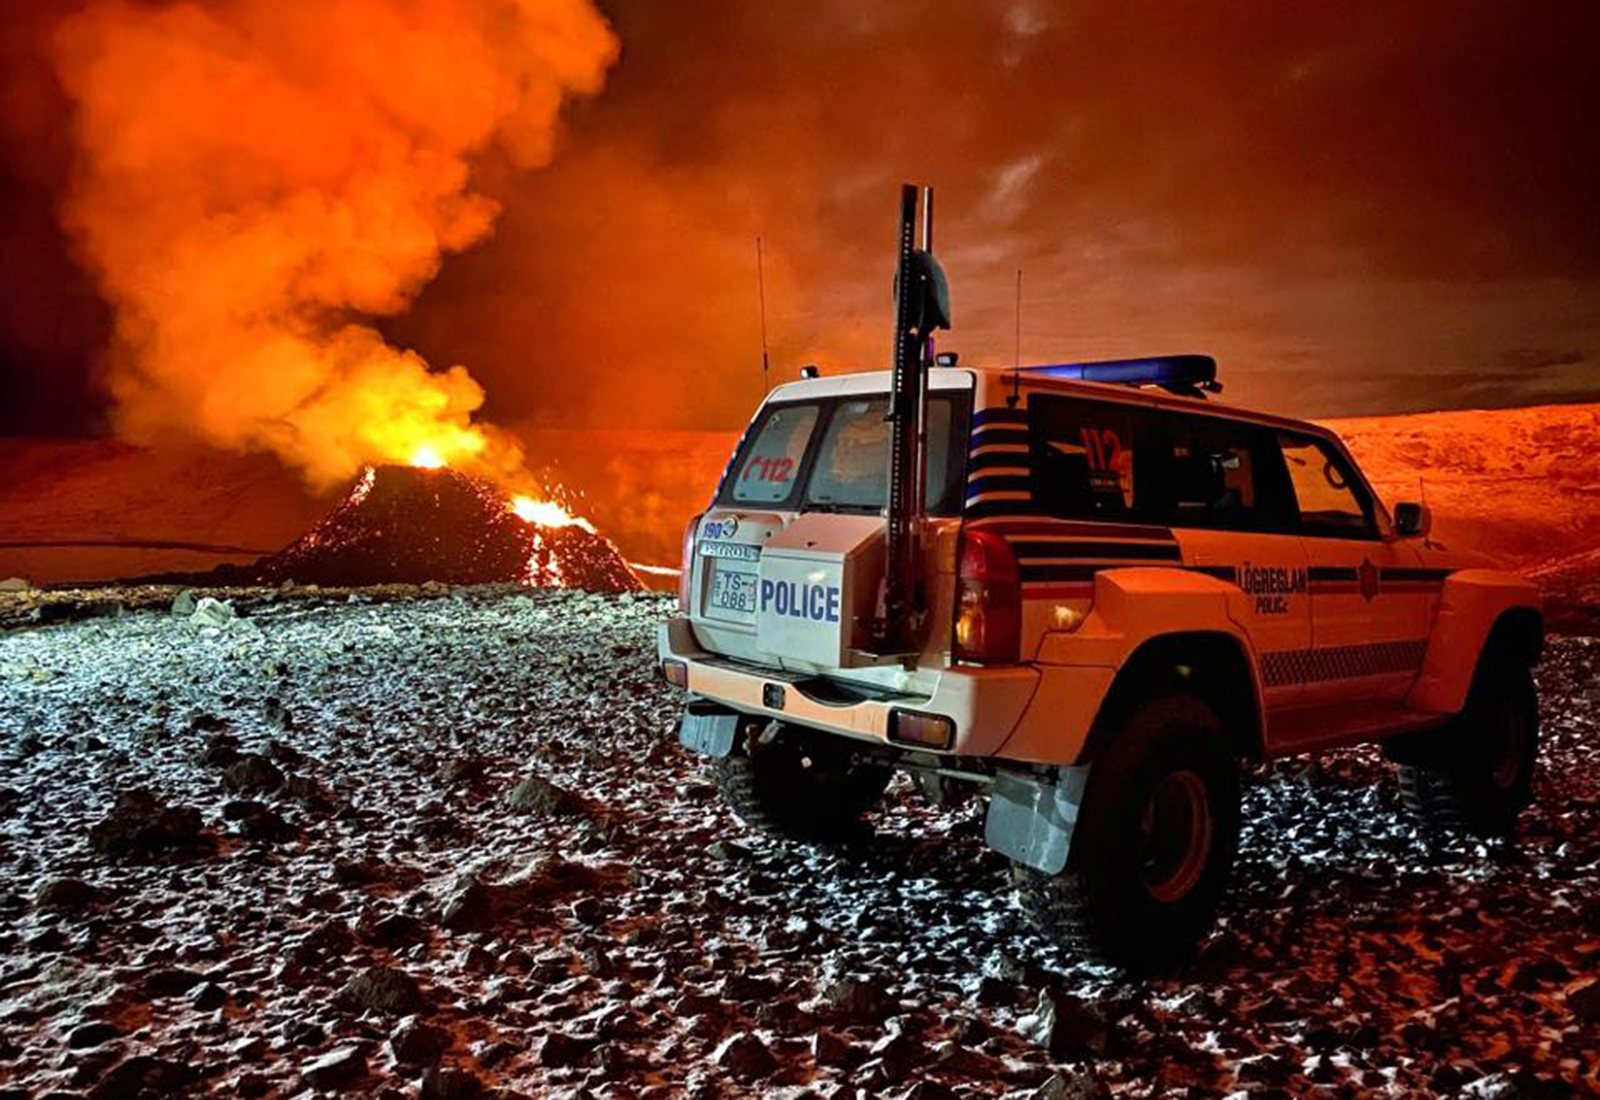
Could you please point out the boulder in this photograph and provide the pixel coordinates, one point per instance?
(211, 612)
(144, 1075)
(68, 895)
(538, 795)
(383, 990)
(337, 1070)
(745, 1058)
(1073, 1084)
(858, 1000)
(252, 772)
(1070, 1028)
(140, 824)
(1584, 1001)
(415, 1043)
(450, 1084)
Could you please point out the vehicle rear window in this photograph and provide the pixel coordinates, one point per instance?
(770, 468)
(833, 454)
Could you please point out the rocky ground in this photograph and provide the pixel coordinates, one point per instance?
(444, 843)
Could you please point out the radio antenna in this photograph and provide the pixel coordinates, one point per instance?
(761, 297)
(1016, 352)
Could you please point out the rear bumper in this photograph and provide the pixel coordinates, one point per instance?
(985, 705)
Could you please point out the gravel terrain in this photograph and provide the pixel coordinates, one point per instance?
(444, 844)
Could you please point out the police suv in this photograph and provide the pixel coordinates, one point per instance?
(1121, 591)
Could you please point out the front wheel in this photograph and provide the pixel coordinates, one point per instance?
(1488, 778)
(807, 786)
(1154, 843)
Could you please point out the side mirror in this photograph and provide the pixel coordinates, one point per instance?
(1412, 521)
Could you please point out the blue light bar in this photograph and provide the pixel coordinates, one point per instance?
(1179, 372)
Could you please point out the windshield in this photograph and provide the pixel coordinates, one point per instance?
(833, 455)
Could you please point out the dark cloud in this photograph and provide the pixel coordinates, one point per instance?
(1356, 207)
(1541, 359)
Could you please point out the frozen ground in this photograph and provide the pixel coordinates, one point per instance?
(357, 770)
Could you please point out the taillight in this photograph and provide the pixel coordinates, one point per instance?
(686, 575)
(988, 601)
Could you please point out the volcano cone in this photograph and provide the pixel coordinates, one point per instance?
(408, 525)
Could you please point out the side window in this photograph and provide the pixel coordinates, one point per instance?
(1088, 458)
(1224, 474)
(1332, 504)
(772, 465)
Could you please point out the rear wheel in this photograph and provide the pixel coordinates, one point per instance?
(1154, 843)
(1486, 778)
(800, 785)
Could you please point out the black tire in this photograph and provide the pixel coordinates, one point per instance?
(799, 785)
(1485, 780)
(1154, 843)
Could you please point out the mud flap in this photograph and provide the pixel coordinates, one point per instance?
(709, 729)
(1031, 819)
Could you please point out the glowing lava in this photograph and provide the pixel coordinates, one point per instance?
(427, 458)
(546, 513)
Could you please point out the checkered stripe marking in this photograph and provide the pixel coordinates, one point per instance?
(1340, 662)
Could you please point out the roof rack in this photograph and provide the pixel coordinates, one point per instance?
(1185, 375)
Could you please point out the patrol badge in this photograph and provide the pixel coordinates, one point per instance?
(1367, 575)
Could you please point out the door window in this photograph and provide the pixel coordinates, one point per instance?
(1331, 499)
(1224, 474)
(1088, 459)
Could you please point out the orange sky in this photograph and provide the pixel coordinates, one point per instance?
(1355, 207)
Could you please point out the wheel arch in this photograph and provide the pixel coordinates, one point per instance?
(1214, 666)
(1481, 612)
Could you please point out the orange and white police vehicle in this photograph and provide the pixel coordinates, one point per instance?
(1087, 593)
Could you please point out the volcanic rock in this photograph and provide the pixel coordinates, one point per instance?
(338, 1069)
(538, 795)
(450, 1084)
(208, 996)
(211, 612)
(745, 1057)
(560, 1049)
(221, 751)
(143, 1075)
(829, 1048)
(1069, 1027)
(1585, 1001)
(416, 1043)
(384, 990)
(68, 895)
(257, 821)
(253, 772)
(140, 824)
(857, 1000)
(405, 525)
(1072, 1084)
(92, 1034)
(394, 930)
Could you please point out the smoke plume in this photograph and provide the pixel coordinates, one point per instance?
(256, 181)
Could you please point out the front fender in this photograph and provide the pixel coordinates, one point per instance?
(1472, 602)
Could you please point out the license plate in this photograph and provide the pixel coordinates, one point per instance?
(733, 591)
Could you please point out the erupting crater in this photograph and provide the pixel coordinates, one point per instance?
(412, 524)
